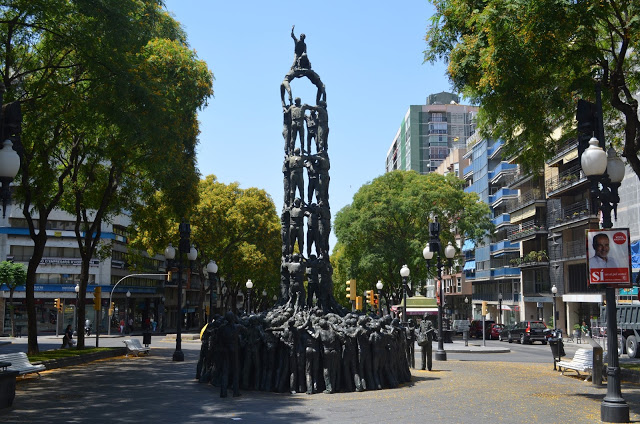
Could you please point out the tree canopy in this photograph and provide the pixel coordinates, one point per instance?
(109, 92)
(386, 226)
(238, 228)
(528, 62)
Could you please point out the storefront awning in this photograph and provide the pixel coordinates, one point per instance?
(469, 265)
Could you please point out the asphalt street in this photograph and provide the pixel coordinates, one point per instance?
(468, 388)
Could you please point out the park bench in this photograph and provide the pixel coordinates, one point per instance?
(134, 346)
(20, 363)
(582, 362)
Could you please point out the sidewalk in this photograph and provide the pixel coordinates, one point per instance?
(156, 389)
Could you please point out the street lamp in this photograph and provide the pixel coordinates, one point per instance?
(9, 136)
(170, 253)
(249, 286)
(75, 315)
(466, 308)
(432, 247)
(500, 308)
(127, 327)
(212, 269)
(264, 300)
(404, 273)
(379, 286)
(554, 290)
(605, 172)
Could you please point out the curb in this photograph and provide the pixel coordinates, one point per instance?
(82, 359)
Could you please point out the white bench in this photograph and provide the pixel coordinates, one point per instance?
(134, 346)
(582, 362)
(20, 362)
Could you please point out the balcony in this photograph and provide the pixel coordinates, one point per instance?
(574, 214)
(502, 195)
(501, 220)
(493, 297)
(526, 230)
(531, 260)
(566, 181)
(532, 287)
(563, 150)
(503, 169)
(576, 249)
(535, 196)
(504, 246)
(495, 149)
(467, 171)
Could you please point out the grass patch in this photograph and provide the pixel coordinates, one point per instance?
(634, 367)
(65, 353)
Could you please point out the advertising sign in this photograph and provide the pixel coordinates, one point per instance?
(609, 257)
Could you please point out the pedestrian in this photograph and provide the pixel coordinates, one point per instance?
(130, 325)
(122, 326)
(585, 329)
(154, 324)
(67, 339)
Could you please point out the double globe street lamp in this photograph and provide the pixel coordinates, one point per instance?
(434, 246)
(404, 273)
(192, 254)
(606, 172)
(211, 269)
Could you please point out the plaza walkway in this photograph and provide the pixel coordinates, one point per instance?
(155, 389)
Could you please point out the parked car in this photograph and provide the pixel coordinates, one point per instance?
(529, 332)
(495, 331)
(476, 328)
(460, 325)
(505, 333)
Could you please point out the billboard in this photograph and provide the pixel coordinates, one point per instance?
(609, 257)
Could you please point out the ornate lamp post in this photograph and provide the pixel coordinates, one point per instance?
(127, 328)
(404, 273)
(212, 270)
(466, 306)
(379, 286)
(249, 285)
(192, 254)
(554, 291)
(606, 172)
(428, 252)
(75, 310)
(10, 126)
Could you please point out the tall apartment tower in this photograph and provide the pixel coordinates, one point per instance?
(429, 132)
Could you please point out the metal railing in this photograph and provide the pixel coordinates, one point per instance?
(525, 199)
(566, 178)
(525, 229)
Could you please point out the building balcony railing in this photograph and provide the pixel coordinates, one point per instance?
(497, 146)
(563, 149)
(504, 245)
(502, 169)
(467, 171)
(526, 229)
(493, 297)
(567, 179)
(526, 199)
(576, 249)
(502, 195)
(501, 220)
(572, 213)
(532, 259)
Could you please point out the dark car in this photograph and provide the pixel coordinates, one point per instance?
(476, 328)
(505, 333)
(529, 332)
(494, 332)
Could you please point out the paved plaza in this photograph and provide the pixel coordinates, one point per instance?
(154, 389)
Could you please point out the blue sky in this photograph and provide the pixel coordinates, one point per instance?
(368, 54)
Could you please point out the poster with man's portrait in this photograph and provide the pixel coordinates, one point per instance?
(609, 257)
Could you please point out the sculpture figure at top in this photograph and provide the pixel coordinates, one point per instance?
(300, 59)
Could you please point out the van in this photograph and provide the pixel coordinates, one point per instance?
(460, 325)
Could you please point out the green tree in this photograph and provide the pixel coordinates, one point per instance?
(527, 63)
(96, 100)
(13, 275)
(386, 226)
(238, 228)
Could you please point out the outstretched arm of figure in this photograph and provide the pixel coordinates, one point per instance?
(292, 35)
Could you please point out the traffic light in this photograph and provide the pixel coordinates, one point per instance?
(57, 304)
(351, 289)
(112, 308)
(369, 296)
(358, 303)
(484, 307)
(169, 276)
(97, 292)
(376, 301)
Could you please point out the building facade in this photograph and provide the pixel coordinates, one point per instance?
(429, 132)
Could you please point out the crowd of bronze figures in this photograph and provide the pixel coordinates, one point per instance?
(309, 351)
